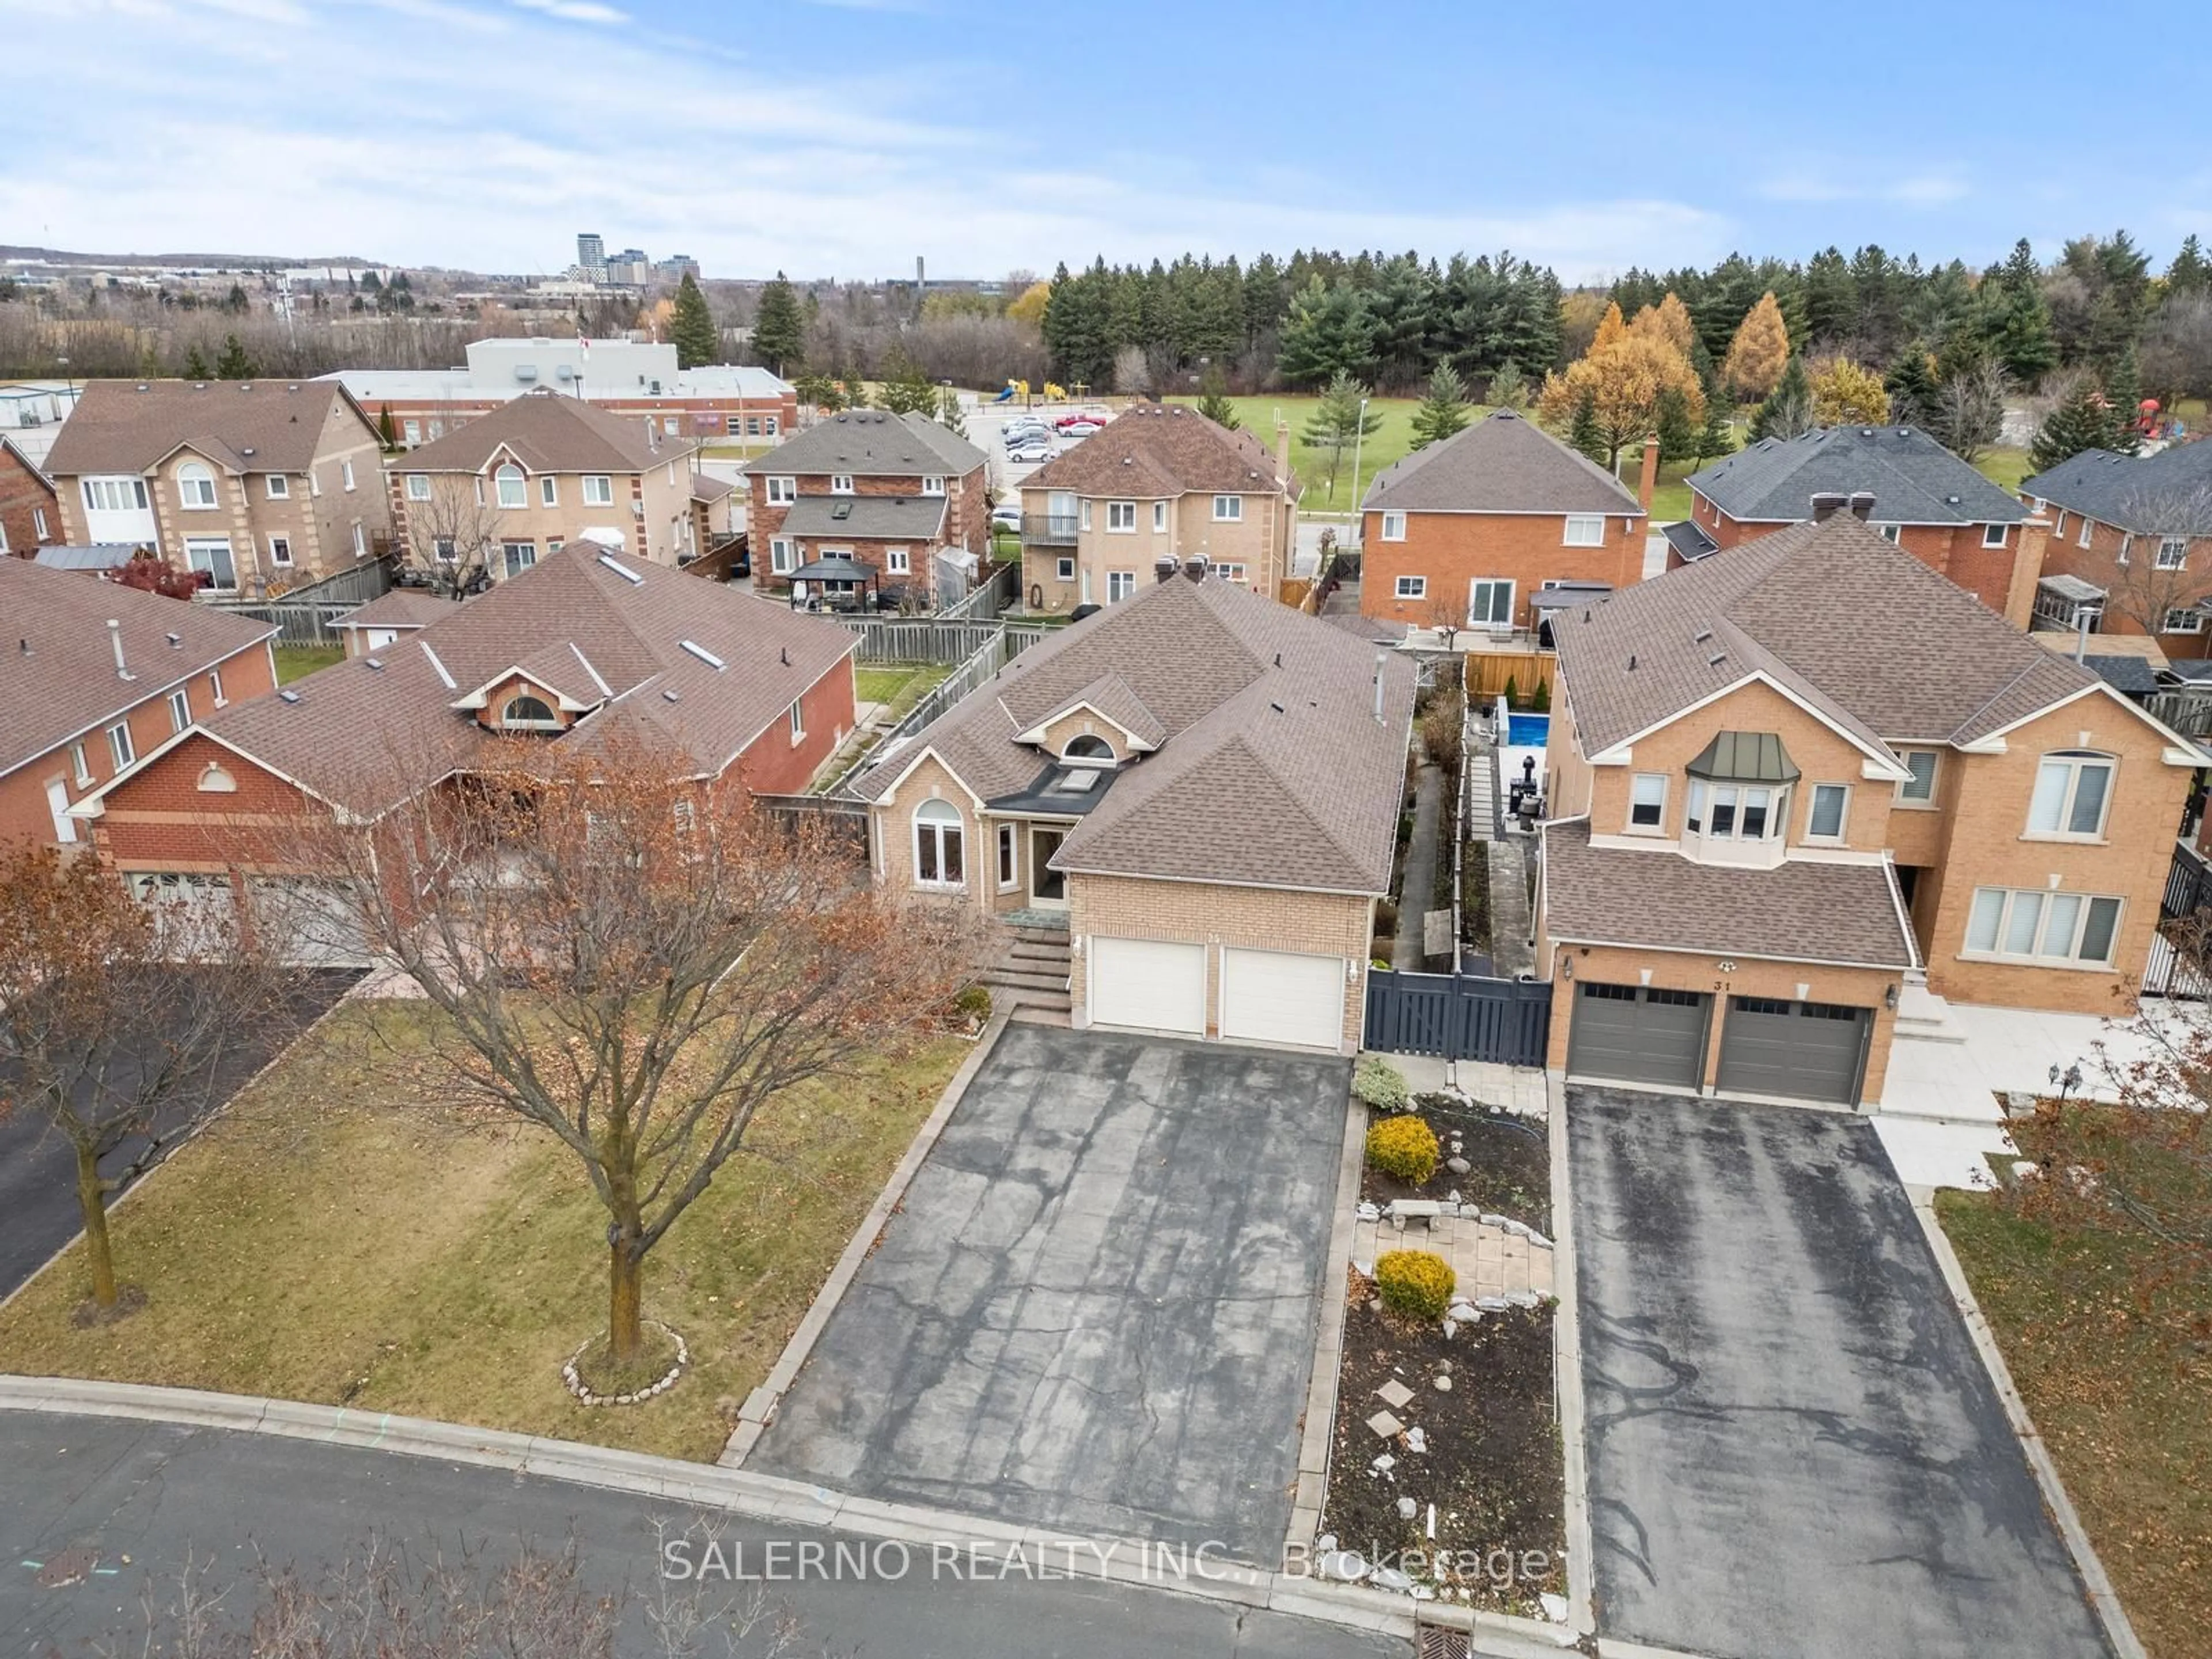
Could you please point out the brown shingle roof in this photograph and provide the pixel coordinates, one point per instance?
(246, 426)
(1161, 449)
(365, 737)
(402, 607)
(1503, 463)
(1271, 768)
(1800, 911)
(548, 433)
(65, 684)
(1861, 630)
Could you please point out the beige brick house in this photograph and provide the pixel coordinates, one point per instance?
(515, 486)
(1188, 805)
(1160, 483)
(262, 484)
(1801, 789)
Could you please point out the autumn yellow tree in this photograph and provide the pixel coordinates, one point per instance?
(1610, 327)
(1580, 313)
(1029, 306)
(1669, 320)
(1846, 394)
(1623, 380)
(1759, 353)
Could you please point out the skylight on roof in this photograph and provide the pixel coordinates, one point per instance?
(622, 570)
(702, 653)
(1076, 782)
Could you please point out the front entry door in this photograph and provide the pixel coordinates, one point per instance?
(1047, 886)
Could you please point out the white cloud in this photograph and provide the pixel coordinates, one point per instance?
(442, 132)
(1815, 185)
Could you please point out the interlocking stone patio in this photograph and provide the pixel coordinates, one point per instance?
(1486, 1261)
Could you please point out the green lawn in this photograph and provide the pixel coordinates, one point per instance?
(351, 1234)
(900, 685)
(2124, 1416)
(298, 661)
(2004, 468)
(1389, 442)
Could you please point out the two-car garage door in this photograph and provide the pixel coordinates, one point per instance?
(1787, 1050)
(1279, 997)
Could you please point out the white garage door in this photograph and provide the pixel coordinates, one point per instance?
(1274, 996)
(1150, 983)
(307, 924)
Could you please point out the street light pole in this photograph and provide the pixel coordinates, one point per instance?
(1359, 437)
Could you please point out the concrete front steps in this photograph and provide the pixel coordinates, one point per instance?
(1923, 1016)
(1030, 973)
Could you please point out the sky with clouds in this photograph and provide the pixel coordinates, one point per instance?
(843, 138)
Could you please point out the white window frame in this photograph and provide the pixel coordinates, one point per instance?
(345, 473)
(205, 547)
(797, 718)
(1891, 533)
(81, 765)
(1493, 583)
(2069, 766)
(1583, 529)
(2127, 547)
(1995, 912)
(280, 550)
(934, 828)
(1413, 588)
(599, 489)
(2087, 532)
(360, 540)
(1926, 800)
(548, 490)
(1843, 814)
(509, 473)
(1637, 791)
(39, 523)
(411, 433)
(196, 490)
(1993, 534)
(1120, 585)
(1121, 518)
(782, 492)
(896, 562)
(279, 487)
(782, 559)
(418, 486)
(2191, 621)
(841, 483)
(511, 561)
(120, 749)
(1082, 513)
(1009, 856)
(1159, 517)
(1065, 570)
(1232, 572)
(180, 709)
(446, 550)
(1393, 527)
(103, 494)
(1228, 509)
(2058, 526)
(1707, 798)
(214, 688)
(2173, 553)
(933, 485)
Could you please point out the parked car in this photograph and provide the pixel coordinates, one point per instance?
(1006, 515)
(1081, 428)
(1014, 434)
(1030, 451)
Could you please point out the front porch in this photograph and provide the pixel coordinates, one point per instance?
(1031, 971)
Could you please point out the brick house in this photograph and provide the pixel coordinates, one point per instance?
(1916, 494)
(388, 619)
(264, 484)
(96, 675)
(898, 494)
(1809, 786)
(583, 649)
(1188, 806)
(1476, 526)
(2131, 546)
(1159, 483)
(635, 379)
(30, 511)
(536, 474)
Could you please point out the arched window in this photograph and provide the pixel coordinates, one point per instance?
(195, 485)
(939, 857)
(2073, 794)
(1088, 747)
(214, 781)
(511, 490)
(525, 713)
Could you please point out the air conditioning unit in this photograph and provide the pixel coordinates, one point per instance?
(525, 372)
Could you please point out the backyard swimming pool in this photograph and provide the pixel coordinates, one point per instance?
(1526, 730)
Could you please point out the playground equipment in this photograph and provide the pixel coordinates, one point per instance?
(1014, 389)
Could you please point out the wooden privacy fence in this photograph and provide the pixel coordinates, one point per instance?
(1488, 670)
(922, 639)
(1458, 1016)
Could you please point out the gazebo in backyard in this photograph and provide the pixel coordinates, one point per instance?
(835, 582)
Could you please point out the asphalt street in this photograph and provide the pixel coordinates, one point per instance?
(1096, 1309)
(1795, 1451)
(95, 1510)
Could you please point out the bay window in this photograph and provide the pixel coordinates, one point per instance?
(2046, 926)
(1734, 811)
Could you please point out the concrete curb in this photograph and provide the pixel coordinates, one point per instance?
(123, 1197)
(2102, 1597)
(1319, 1433)
(1567, 1372)
(759, 1408)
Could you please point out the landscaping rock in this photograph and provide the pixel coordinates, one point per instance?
(1368, 1211)
(1443, 1385)
(1407, 1508)
(1390, 1578)
(1382, 1465)
(1385, 1426)
(1523, 1298)
(1345, 1566)
(1325, 1543)
(1393, 1393)
(1458, 1164)
(1492, 1303)
(1416, 1441)
(1555, 1606)
(2027, 1168)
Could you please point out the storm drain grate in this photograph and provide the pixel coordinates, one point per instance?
(1435, 1642)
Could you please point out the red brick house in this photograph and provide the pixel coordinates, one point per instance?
(30, 512)
(898, 494)
(96, 675)
(584, 649)
(1916, 494)
(2130, 545)
(1474, 528)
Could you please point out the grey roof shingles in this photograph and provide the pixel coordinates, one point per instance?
(866, 517)
(1802, 910)
(547, 433)
(1503, 463)
(2166, 494)
(872, 443)
(244, 426)
(1271, 767)
(1154, 451)
(402, 607)
(1912, 478)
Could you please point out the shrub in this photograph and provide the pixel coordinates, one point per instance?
(974, 1003)
(1541, 702)
(1380, 1085)
(1417, 1284)
(1403, 1147)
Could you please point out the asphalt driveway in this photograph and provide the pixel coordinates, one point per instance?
(1795, 1452)
(38, 1170)
(1095, 1310)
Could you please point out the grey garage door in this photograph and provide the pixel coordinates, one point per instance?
(1638, 1034)
(1798, 1050)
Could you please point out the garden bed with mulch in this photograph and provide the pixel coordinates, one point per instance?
(1509, 1164)
(1486, 1486)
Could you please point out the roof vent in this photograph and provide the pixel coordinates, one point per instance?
(1866, 432)
(669, 694)
(142, 386)
(245, 385)
(1716, 659)
(784, 655)
(702, 653)
(1277, 706)
(23, 645)
(622, 570)
(248, 450)
(288, 695)
(1698, 638)
(1953, 500)
(1631, 662)
(176, 641)
(377, 663)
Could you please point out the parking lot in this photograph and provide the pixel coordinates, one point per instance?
(986, 428)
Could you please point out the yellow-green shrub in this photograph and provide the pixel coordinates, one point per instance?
(1403, 1147)
(1417, 1284)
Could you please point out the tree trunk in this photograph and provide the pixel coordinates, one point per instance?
(92, 1201)
(625, 1301)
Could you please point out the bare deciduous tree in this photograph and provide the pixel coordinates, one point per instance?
(2167, 568)
(1969, 408)
(635, 963)
(117, 1018)
(450, 536)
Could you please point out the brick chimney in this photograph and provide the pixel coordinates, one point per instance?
(2026, 570)
(1650, 472)
(1826, 505)
(1862, 505)
(1194, 567)
(1164, 568)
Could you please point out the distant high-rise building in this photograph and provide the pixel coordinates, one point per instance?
(591, 251)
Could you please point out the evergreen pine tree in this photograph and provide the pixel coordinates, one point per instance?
(2082, 421)
(1443, 409)
(692, 330)
(387, 433)
(234, 364)
(1788, 411)
(778, 330)
(1679, 434)
(1509, 388)
(948, 413)
(2022, 339)
(195, 366)
(1213, 398)
(905, 390)
(1585, 435)
(1718, 436)
(2189, 273)
(1914, 395)
(1337, 423)
(2123, 398)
